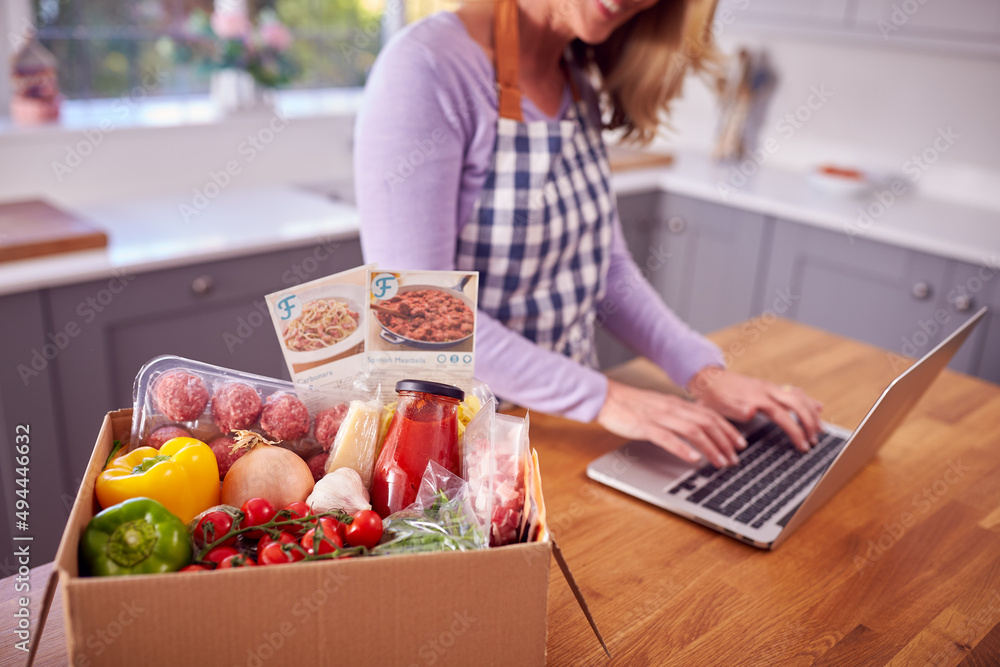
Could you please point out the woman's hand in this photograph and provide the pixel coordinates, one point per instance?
(740, 397)
(664, 420)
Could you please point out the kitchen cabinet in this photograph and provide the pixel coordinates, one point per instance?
(714, 253)
(106, 329)
(803, 12)
(958, 26)
(725, 265)
(31, 348)
(976, 20)
(898, 299)
(210, 312)
(712, 267)
(971, 287)
(638, 214)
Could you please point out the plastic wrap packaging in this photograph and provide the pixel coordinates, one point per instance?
(356, 445)
(478, 460)
(175, 397)
(441, 519)
(498, 467)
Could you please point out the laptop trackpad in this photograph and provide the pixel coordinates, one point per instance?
(652, 461)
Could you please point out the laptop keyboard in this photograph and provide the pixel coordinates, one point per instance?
(770, 474)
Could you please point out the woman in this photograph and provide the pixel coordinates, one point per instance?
(479, 148)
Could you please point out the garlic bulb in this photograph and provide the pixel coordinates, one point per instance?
(339, 491)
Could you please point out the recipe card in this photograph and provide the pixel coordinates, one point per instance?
(321, 327)
(366, 321)
(423, 321)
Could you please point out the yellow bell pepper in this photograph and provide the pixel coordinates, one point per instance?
(183, 476)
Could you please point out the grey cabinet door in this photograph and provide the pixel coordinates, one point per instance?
(638, 214)
(970, 287)
(209, 312)
(714, 252)
(27, 378)
(880, 294)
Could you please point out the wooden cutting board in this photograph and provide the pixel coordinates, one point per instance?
(621, 158)
(36, 228)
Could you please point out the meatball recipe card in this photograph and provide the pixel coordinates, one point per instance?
(421, 320)
(381, 322)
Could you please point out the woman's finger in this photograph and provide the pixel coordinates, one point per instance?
(797, 401)
(728, 440)
(731, 431)
(683, 426)
(665, 439)
(779, 415)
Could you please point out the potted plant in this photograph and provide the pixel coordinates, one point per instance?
(246, 58)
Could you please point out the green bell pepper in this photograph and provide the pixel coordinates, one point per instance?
(137, 536)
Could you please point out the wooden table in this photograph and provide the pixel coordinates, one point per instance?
(902, 567)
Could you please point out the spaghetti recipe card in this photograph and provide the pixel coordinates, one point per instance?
(321, 327)
(421, 320)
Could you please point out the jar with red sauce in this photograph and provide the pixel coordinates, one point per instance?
(424, 428)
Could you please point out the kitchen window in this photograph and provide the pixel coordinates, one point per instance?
(107, 47)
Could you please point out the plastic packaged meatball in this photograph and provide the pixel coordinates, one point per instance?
(173, 396)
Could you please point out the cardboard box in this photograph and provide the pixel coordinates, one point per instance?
(476, 608)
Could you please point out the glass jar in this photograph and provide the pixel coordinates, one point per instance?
(424, 428)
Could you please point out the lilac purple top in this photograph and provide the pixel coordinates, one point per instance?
(423, 143)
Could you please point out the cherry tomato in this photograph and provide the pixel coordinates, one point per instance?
(195, 567)
(239, 560)
(283, 538)
(330, 540)
(219, 554)
(299, 509)
(258, 511)
(275, 554)
(365, 530)
(220, 522)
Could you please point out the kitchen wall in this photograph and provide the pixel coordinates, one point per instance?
(119, 160)
(883, 106)
(876, 107)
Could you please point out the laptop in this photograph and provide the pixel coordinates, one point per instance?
(775, 488)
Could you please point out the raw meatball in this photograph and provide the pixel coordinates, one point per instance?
(284, 417)
(235, 406)
(328, 423)
(317, 465)
(164, 433)
(181, 396)
(224, 456)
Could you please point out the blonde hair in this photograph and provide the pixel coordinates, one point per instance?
(641, 67)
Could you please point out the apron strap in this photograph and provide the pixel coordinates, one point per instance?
(506, 42)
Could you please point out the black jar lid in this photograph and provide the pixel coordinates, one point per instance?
(428, 387)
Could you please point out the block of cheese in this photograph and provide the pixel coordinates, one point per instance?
(357, 440)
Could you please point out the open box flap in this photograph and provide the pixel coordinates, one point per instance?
(541, 533)
(568, 575)
(43, 614)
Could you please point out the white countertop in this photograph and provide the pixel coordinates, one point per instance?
(150, 234)
(936, 227)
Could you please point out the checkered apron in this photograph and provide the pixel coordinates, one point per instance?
(540, 232)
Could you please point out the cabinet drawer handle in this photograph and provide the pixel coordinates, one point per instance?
(202, 285)
(962, 302)
(676, 224)
(921, 290)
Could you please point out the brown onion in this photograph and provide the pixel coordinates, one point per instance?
(265, 471)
